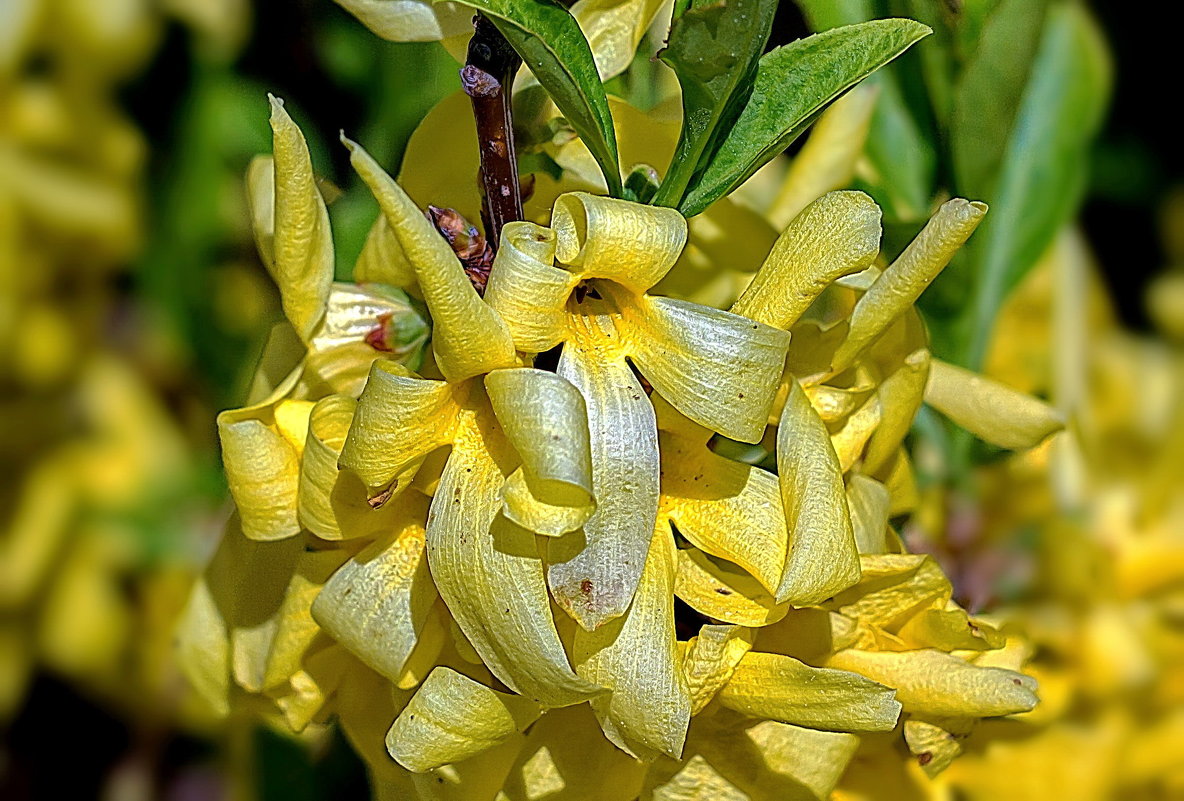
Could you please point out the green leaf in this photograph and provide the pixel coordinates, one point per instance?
(793, 85)
(550, 42)
(713, 48)
(1043, 171)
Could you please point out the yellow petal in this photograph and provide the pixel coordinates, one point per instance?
(410, 20)
(467, 335)
(630, 243)
(488, 571)
(989, 410)
(295, 628)
(728, 509)
(399, 421)
(36, 530)
(827, 161)
(545, 419)
(261, 198)
(613, 29)
(934, 747)
(710, 660)
(782, 688)
(823, 558)
(836, 235)
(851, 437)
(527, 289)
(378, 603)
(868, 501)
(724, 593)
(949, 629)
(719, 369)
(892, 587)
(899, 286)
(836, 403)
(940, 685)
(900, 397)
(303, 245)
(353, 312)
(593, 577)
(636, 658)
(382, 260)
(451, 718)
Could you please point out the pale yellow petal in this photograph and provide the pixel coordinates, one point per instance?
(868, 501)
(545, 419)
(900, 397)
(451, 718)
(411, 20)
(851, 437)
(949, 629)
(399, 421)
(527, 289)
(823, 558)
(836, 235)
(934, 747)
(935, 684)
(629, 243)
(488, 571)
(636, 658)
(719, 369)
(782, 688)
(295, 628)
(303, 244)
(722, 592)
(892, 587)
(355, 312)
(261, 199)
(906, 278)
(710, 660)
(382, 260)
(728, 509)
(594, 573)
(991, 411)
(379, 602)
(835, 403)
(468, 336)
(613, 29)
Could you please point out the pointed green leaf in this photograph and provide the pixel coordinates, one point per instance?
(550, 42)
(794, 84)
(713, 48)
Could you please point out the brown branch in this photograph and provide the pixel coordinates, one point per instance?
(488, 78)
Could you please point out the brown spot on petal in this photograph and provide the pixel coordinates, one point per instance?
(924, 758)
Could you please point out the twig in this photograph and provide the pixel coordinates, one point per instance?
(488, 78)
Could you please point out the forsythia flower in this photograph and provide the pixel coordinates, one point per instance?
(527, 580)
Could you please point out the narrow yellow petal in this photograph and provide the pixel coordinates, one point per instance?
(719, 369)
(545, 419)
(900, 397)
(836, 235)
(613, 29)
(378, 603)
(711, 658)
(261, 199)
(451, 718)
(728, 509)
(934, 747)
(488, 571)
(949, 629)
(722, 592)
(892, 588)
(835, 403)
(823, 558)
(868, 501)
(782, 688)
(940, 685)
(593, 576)
(468, 336)
(399, 421)
(527, 289)
(382, 260)
(303, 244)
(630, 243)
(827, 161)
(295, 628)
(851, 437)
(906, 278)
(636, 658)
(989, 410)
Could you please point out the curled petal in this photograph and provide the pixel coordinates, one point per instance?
(303, 243)
(900, 398)
(835, 403)
(546, 420)
(711, 658)
(399, 421)
(613, 29)
(991, 411)
(630, 243)
(636, 658)
(527, 289)
(719, 369)
(823, 558)
(836, 235)
(451, 718)
(467, 335)
(488, 571)
(594, 574)
(724, 593)
(907, 277)
(869, 501)
(379, 602)
(261, 199)
(892, 587)
(728, 509)
(782, 688)
(936, 684)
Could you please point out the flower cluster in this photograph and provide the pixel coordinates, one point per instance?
(603, 538)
